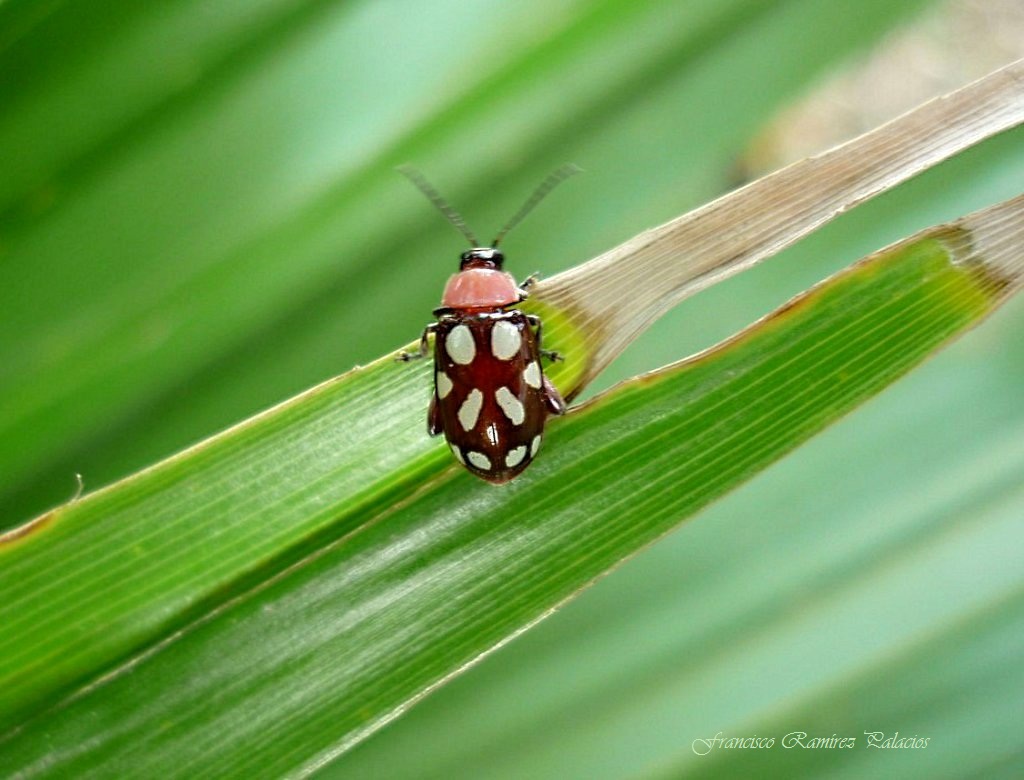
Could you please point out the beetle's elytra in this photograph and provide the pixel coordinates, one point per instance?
(491, 397)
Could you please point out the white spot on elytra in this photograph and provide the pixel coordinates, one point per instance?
(458, 454)
(534, 446)
(479, 460)
(444, 384)
(470, 409)
(515, 456)
(505, 340)
(459, 345)
(531, 375)
(510, 405)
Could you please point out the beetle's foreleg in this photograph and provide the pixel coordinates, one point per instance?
(551, 355)
(526, 284)
(405, 357)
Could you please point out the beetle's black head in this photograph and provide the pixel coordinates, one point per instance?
(482, 257)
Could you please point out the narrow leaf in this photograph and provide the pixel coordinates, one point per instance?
(289, 674)
(663, 266)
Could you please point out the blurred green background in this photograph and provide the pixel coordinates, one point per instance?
(199, 216)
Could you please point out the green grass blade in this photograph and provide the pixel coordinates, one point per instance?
(345, 449)
(305, 664)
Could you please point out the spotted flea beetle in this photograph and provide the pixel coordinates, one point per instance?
(491, 397)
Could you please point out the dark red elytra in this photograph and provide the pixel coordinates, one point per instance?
(491, 397)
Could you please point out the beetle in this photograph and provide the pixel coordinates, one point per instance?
(491, 397)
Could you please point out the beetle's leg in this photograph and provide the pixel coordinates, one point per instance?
(405, 357)
(551, 355)
(552, 398)
(527, 283)
(434, 416)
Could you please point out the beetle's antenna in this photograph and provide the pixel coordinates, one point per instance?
(553, 180)
(434, 197)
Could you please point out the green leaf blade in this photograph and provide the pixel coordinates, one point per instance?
(345, 449)
(326, 653)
